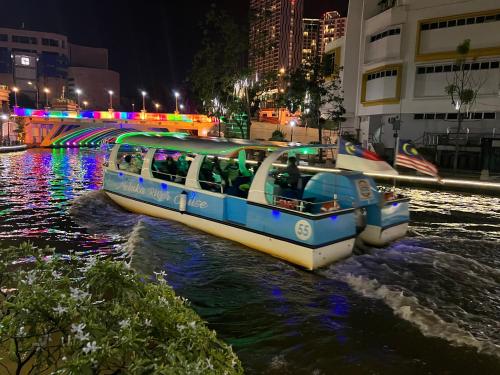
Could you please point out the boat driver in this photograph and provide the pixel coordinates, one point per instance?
(290, 176)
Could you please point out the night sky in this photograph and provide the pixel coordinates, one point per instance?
(151, 43)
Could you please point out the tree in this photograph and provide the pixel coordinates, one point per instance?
(463, 87)
(334, 99)
(21, 128)
(219, 62)
(68, 315)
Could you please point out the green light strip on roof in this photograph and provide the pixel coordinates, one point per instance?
(120, 138)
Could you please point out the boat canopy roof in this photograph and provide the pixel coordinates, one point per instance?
(205, 146)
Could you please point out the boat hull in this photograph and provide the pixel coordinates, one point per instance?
(309, 258)
(379, 236)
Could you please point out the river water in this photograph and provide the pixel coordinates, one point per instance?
(427, 304)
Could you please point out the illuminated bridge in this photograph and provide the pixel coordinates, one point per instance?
(49, 128)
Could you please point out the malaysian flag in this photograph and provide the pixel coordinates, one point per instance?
(408, 156)
(354, 157)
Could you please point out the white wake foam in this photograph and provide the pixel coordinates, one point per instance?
(409, 309)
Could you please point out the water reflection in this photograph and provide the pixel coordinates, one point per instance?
(379, 312)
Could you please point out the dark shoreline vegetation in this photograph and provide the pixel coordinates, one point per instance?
(67, 315)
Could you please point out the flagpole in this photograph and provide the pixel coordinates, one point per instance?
(396, 149)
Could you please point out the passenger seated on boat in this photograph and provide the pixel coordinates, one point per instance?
(182, 169)
(125, 163)
(289, 178)
(231, 172)
(170, 168)
(136, 164)
(206, 176)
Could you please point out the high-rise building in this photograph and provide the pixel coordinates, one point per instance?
(311, 43)
(333, 27)
(275, 35)
(34, 61)
(398, 59)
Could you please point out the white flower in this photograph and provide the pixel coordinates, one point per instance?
(90, 347)
(147, 322)
(59, 310)
(160, 276)
(209, 364)
(124, 323)
(78, 328)
(30, 278)
(192, 324)
(82, 336)
(163, 301)
(78, 294)
(180, 327)
(56, 275)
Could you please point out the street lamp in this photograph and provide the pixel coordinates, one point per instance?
(110, 92)
(46, 91)
(157, 106)
(15, 90)
(143, 93)
(181, 106)
(292, 125)
(176, 94)
(78, 92)
(37, 94)
(85, 104)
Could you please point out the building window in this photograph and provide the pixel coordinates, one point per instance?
(418, 116)
(50, 42)
(4, 37)
(430, 116)
(381, 74)
(452, 116)
(455, 68)
(440, 116)
(384, 34)
(23, 39)
(489, 115)
(459, 22)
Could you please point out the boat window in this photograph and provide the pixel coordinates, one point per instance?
(288, 179)
(171, 165)
(131, 158)
(211, 175)
(229, 175)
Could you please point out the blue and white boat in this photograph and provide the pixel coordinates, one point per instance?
(218, 186)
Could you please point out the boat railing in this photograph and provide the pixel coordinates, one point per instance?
(216, 187)
(306, 206)
(170, 177)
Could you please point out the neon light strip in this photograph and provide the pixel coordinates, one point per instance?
(97, 138)
(151, 134)
(78, 140)
(106, 115)
(64, 137)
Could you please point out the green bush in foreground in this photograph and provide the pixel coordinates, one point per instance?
(66, 315)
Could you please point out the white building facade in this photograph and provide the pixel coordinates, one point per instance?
(397, 62)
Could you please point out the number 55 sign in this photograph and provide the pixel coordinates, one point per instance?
(303, 230)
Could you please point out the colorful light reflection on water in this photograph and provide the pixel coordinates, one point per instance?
(347, 319)
(36, 190)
